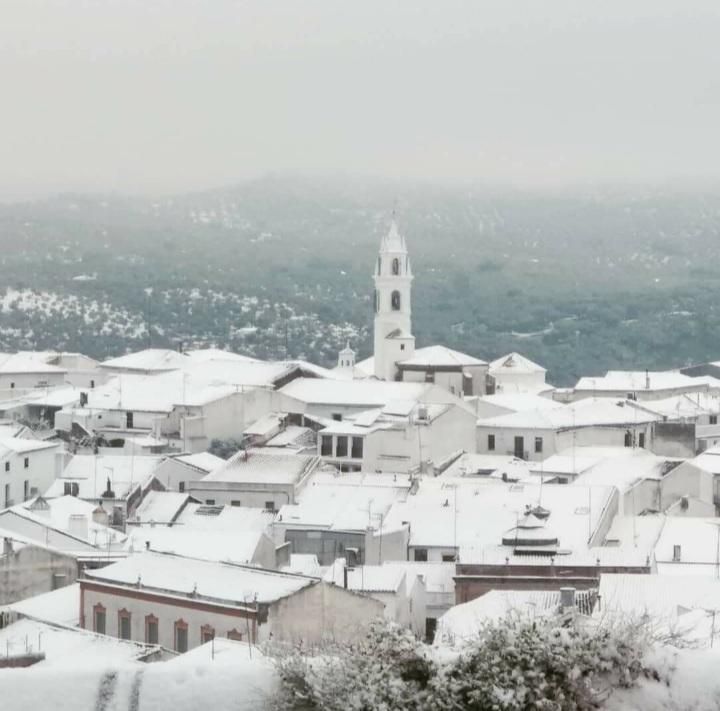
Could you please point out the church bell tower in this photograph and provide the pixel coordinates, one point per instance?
(393, 324)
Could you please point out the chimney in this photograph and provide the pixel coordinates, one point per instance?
(7, 546)
(567, 598)
(647, 380)
(677, 553)
(78, 526)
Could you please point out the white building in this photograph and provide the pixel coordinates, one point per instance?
(263, 477)
(181, 603)
(537, 434)
(177, 471)
(638, 385)
(514, 373)
(401, 437)
(401, 591)
(27, 468)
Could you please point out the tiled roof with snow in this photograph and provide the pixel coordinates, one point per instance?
(205, 461)
(223, 582)
(514, 363)
(160, 506)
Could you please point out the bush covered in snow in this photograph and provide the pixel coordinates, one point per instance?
(514, 664)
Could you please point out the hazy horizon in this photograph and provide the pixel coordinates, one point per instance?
(162, 97)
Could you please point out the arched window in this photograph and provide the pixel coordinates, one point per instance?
(377, 301)
(395, 266)
(395, 301)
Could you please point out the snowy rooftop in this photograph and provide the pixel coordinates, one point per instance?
(218, 545)
(492, 465)
(514, 363)
(366, 578)
(356, 393)
(344, 502)
(689, 405)
(440, 357)
(590, 412)
(56, 513)
(61, 606)
(92, 471)
(698, 541)
(21, 445)
(204, 461)
(475, 512)
(230, 520)
(263, 464)
(465, 621)
(203, 355)
(519, 401)
(638, 380)
(151, 359)
(69, 647)
(207, 579)
(27, 362)
(161, 506)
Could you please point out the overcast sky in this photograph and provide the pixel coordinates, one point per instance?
(163, 95)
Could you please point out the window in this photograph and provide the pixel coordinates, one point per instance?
(151, 629)
(628, 439)
(129, 420)
(395, 266)
(210, 502)
(395, 301)
(429, 376)
(448, 557)
(235, 635)
(99, 619)
(357, 447)
(538, 445)
(491, 443)
(7, 495)
(430, 627)
(26, 490)
(181, 636)
(713, 419)
(337, 416)
(207, 633)
(270, 506)
(377, 301)
(421, 555)
(181, 486)
(326, 446)
(27, 462)
(92, 384)
(235, 502)
(379, 265)
(341, 447)
(66, 488)
(402, 346)
(7, 466)
(124, 624)
(12, 386)
(641, 440)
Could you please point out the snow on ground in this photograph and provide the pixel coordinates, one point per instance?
(230, 682)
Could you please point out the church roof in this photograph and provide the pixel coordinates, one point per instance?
(393, 241)
(439, 356)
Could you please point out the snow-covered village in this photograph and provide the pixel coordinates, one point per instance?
(359, 356)
(207, 524)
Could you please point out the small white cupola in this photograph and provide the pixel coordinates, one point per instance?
(346, 358)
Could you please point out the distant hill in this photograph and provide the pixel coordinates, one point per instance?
(580, 282)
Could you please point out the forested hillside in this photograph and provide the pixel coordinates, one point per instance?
(580, 282)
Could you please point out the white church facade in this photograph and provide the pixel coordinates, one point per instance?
(395, 357)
